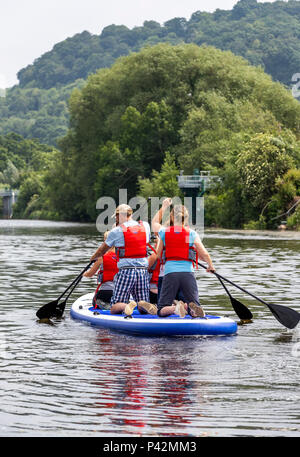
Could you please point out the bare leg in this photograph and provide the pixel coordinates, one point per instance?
(117, 308)
(167, 311)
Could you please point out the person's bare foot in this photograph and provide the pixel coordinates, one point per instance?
(195, 310)
(148, 307)
(129, 308)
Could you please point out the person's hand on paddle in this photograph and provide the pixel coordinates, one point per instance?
(210, 268)
(204, 255)
(93, 270)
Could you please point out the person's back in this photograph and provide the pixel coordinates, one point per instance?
(130, 240)
(180, 244)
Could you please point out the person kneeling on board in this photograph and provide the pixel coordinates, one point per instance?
(106, 268)
(130, 239)
(156, 227)
(181, 246)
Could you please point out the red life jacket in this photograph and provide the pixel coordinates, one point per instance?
(155, 269)
(109, 267)
(107, 271)
(135, 242)
(154, 272)
(177, 245)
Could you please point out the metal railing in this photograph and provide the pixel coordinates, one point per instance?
(195, 180)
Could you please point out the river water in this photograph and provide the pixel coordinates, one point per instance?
(71, 379)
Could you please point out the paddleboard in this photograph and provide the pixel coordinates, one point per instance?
(149, 325)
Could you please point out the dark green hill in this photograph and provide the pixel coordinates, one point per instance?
(266, 34)
(37, 113)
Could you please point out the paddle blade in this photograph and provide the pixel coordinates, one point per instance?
(45, 311)
(241, 310)
(285, 315)
(51, 309)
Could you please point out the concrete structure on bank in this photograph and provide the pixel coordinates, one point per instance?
(194, 186)
(7, 199)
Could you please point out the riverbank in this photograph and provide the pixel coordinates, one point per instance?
(208, 231)
(282, 234)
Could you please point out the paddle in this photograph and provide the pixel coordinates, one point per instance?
(56, 309)
(285, 315)
(241, 310)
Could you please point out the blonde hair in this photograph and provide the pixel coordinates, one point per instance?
(180, 215)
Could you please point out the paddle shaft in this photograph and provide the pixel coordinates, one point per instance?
(73, 288)
(75, 280)
(241, 310)
(235, 285)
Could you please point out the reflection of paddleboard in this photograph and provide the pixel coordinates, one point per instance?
(146, 324)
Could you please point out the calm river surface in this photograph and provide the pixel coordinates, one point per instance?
(70, 379)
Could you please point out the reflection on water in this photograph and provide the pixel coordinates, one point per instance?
(73, 379)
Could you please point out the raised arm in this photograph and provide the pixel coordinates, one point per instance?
(156, 221)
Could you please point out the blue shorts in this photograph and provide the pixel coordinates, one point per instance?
(131, 281)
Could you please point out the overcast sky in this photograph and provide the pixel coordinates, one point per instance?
(28, 28)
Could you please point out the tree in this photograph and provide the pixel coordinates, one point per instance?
(163, 183)
(10, 175)
(262, 161)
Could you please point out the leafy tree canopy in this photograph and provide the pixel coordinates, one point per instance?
(204, 107)
(266, 34)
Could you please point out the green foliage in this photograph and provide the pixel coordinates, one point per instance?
(23, 166)
(293, 222)
(288, 187)
(153, 113)
(37, 113)
(256, 225)
(206, 108)
(19, 155)
(30, 189)
(163, 183)
(263, 160)
(116, 165)
(267, 34)
(9, 176)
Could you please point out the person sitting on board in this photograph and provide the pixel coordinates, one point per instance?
(106, 267)
(156, 226)
(130, 239)
(182, 246)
